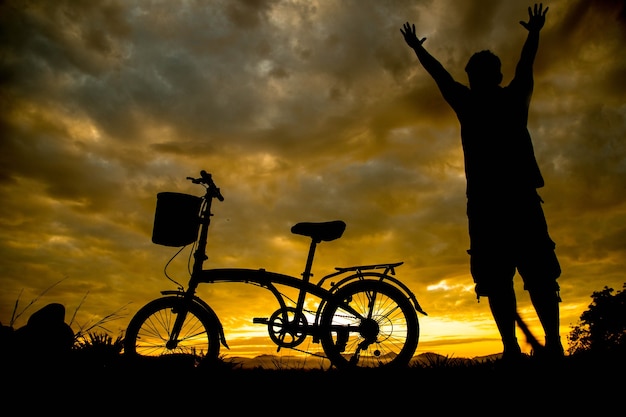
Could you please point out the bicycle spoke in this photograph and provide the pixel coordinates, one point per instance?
(371, 325)
(150, 331)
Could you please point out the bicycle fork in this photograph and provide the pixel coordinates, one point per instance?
(199, 258)
(181, 316)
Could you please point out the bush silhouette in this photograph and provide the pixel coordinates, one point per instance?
(602, 328)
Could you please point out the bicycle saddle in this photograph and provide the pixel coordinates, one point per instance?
(325, 231)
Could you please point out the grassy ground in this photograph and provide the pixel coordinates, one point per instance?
(579, 385)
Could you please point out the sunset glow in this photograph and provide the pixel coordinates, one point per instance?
(302, 111)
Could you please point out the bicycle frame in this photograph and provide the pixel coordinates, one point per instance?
(325, 290)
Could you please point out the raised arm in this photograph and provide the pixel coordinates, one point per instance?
(536, 20)
(442, 77)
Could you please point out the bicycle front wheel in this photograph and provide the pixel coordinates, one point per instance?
(369, 324)
(149, 333)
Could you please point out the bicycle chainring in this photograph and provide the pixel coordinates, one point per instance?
(287, 328)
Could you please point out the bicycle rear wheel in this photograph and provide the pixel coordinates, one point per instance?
(369, 324)
(150, 330)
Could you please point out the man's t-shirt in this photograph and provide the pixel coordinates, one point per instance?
(498, 151)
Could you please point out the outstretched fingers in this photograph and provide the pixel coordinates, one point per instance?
(536, 17)
(538, 11)
(408, 31)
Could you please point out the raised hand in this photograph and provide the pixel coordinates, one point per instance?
(409, 36)
(536, 18)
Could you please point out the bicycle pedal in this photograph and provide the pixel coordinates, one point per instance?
(260, 320)
(342, 340)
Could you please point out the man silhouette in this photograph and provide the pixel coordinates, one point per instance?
(507, 226)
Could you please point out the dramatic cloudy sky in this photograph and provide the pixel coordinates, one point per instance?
(303, 111)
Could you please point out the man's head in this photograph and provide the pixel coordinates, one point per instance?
(484, 70)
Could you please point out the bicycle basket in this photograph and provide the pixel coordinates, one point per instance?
(176, 219)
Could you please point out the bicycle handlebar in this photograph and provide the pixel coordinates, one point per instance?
(207, 179)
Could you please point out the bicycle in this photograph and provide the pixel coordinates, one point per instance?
(365, 318)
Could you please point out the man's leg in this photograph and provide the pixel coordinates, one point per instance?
(540, 272)
(503, 306)
(539, 267)
(546, 304)
(493, 275)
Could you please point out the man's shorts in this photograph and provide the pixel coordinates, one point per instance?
(508, 235)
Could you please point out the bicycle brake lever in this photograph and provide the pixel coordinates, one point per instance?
(219, 194)
(208, 179)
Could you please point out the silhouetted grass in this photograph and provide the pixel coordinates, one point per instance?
(178, 384)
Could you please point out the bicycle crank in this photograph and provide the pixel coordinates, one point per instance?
(287, 328)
